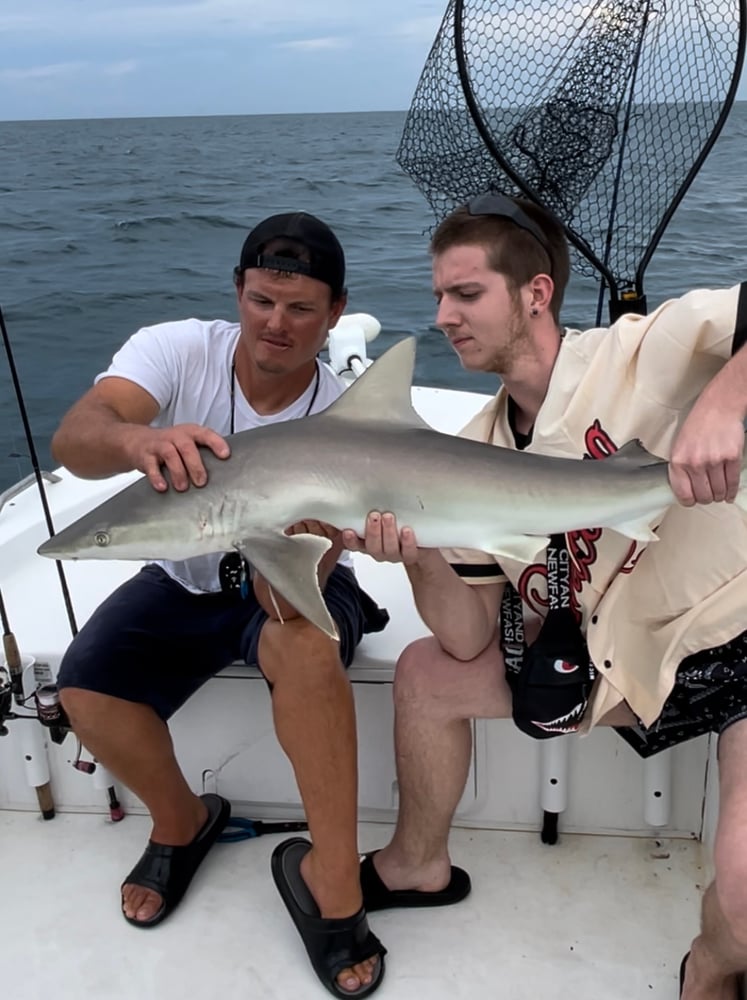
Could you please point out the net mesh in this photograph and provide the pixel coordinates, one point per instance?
(601, 108)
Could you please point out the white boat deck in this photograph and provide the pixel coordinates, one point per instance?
(593, 918)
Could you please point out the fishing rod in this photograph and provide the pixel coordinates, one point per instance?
(36, 467)
(49, 711)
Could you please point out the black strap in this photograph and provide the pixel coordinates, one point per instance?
(512, 608)
(558, 574)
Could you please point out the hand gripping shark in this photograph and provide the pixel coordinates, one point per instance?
(368, 451)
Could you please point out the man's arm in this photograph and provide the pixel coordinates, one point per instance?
(107, 431)
(461, 617)
(706, 460)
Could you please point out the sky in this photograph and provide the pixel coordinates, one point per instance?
(122, 58)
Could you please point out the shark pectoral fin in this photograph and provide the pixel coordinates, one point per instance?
(520, 548)
(289, 564)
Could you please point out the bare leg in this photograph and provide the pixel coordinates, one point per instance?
(135, 745)
(719, 953)
(435, 698)
(314, 716)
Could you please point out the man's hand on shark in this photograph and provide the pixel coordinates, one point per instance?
(707, 454)
(383, 540)
(176, 451)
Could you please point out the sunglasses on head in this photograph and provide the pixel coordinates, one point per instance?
(493, 203)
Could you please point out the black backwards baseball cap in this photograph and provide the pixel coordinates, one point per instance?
(326, 258)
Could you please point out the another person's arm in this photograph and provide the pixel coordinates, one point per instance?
(107, 431)
(461, 617)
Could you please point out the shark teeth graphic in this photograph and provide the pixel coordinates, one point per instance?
(564, 724)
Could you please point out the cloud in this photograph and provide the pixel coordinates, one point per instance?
(41, 72)
(56, 71)
(134, 57)
(315, 44)
(199, 18)
(68, 20)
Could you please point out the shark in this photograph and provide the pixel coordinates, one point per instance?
(369, 450)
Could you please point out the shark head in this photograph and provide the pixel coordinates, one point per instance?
(104, 535)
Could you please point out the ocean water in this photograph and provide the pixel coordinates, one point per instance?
(108, 225)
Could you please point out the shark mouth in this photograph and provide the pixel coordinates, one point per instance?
(568, 723)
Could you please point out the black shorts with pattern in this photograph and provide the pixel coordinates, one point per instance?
(709, 694)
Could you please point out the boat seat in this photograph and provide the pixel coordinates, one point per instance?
(375, 661)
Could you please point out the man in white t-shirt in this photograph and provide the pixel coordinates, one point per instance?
(171, 389)
(649, 638)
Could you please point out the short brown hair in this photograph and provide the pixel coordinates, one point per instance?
(511, 250)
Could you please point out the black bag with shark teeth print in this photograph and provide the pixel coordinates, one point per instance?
(550, 680)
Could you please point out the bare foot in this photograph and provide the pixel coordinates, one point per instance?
(139, 903)
(432, 876)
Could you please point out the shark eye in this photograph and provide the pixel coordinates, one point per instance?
(102, 538)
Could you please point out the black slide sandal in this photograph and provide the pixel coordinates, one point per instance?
(332, 945)
(169, 870)
(376, 896)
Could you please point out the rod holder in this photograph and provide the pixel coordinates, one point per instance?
(34, 749)
(554, 757)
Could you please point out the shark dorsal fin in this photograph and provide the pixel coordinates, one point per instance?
(382, 392)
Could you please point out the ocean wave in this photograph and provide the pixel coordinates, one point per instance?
(208, 221)
(104, 232)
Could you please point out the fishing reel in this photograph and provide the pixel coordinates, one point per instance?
(49, 711)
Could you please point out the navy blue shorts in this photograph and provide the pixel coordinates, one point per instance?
(154, 642)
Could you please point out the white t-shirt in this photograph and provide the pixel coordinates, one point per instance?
(186, 367)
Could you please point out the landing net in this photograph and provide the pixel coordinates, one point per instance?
(601, 111)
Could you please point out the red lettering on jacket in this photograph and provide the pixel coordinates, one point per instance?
(598, 442)
(582, 547)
